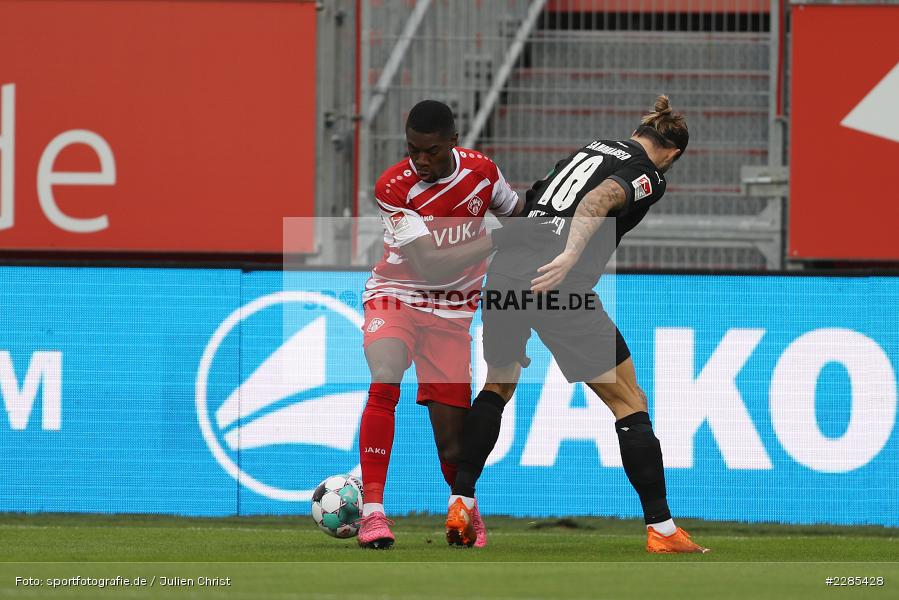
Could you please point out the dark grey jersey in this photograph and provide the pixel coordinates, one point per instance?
(561, 191)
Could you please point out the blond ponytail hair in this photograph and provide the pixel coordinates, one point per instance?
(670, 125)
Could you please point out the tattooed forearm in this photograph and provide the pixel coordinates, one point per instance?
(591, 212)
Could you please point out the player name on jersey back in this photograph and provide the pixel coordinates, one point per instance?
(605, 149)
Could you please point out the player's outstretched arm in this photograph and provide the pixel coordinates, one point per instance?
(437, 265)
(588, 217)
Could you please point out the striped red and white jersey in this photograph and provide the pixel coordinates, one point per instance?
(451, 210)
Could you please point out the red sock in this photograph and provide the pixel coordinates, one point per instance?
(376, 439)
(449, 473)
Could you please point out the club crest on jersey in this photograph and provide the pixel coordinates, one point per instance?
(374, 325)
(399, 222)
(474, 205)
(642, 187)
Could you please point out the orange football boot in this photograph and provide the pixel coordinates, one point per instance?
(459, 526)
(679, 541)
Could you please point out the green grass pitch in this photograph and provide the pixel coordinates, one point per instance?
(287, 558)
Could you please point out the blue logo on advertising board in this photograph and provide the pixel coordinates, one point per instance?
(292, 406)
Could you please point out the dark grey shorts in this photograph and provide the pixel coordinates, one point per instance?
(578, 331)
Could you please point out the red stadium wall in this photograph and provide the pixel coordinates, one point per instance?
(844, 138)
(156, 126)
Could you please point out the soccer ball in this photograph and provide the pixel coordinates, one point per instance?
(337, 505)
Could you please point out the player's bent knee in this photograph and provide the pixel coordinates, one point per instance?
(387, 373)
(387, 361)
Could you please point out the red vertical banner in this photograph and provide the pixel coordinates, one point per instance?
(844, 133)
(156, 126)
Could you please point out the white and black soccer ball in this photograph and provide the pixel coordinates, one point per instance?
(337, 505)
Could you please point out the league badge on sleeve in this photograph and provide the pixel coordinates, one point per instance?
(399, 222)
(642, 187)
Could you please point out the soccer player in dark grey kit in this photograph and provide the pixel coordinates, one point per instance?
(620, 179)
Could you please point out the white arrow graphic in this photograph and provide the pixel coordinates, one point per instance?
(876, 113)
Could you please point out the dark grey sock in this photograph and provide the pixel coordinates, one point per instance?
(478, 439)
(641, 455)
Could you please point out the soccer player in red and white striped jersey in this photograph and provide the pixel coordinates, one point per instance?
(422, 294)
